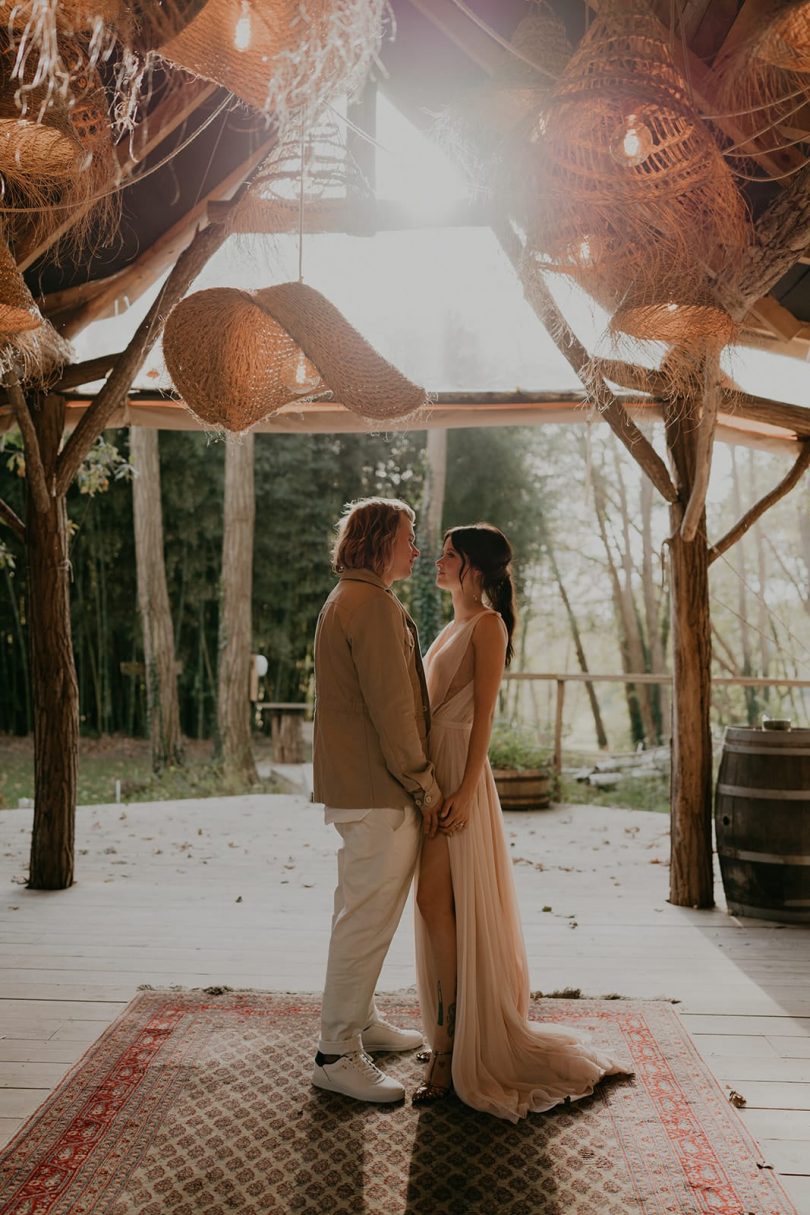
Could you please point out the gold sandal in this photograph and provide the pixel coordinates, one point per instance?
(428, 1092)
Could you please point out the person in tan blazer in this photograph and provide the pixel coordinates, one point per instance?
(372, 772)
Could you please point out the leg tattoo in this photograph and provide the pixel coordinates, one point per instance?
(440, 1014)
(451, 1020)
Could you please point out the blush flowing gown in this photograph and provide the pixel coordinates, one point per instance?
(503, 1063)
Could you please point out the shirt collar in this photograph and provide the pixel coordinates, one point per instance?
(363, 575)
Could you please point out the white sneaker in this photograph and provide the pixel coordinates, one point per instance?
(382, 1036)
(356, 1076)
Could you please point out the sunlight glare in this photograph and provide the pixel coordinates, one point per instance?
(414, 171)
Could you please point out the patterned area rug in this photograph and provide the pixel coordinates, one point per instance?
(200, 1104)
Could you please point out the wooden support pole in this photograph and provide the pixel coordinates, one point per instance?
(558, 728)
(12, 520)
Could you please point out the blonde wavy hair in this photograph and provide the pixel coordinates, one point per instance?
(366, 532)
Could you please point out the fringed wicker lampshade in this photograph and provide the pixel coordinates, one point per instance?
(56, 153)
(360, 378)
(697, 321)
(785, 40)
(761, 81)
(36, 144)
(18, 312)
(280, 56)
(230, 361)
(626, 166)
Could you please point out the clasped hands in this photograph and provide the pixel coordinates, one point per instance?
(453, 815)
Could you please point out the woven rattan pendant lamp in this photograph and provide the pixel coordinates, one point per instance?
(279, 55)
(18, 312)
(37, 144)
(785, 40)
(633, 197)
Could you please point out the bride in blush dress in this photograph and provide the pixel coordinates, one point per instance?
(472, 971)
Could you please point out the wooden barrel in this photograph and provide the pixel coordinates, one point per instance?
(527, 789)
(762, 822)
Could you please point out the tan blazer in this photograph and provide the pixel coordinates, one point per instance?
(372, 716)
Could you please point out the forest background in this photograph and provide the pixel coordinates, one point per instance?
(588, 533)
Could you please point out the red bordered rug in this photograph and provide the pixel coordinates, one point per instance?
(199, 1104)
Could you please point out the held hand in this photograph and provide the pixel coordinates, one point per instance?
(430, 818)
(455, 812)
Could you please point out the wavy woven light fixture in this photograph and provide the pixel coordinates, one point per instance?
(237, 357)
(359, 377)
(280, 56)
(631, 192)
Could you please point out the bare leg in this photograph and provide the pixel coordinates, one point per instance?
(434, 898)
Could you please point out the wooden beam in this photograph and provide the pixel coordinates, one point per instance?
(782, 236)
(733, 403)
(129, 284)
(86, 372)
(155, 128)
(340, 215)
(800, 466)
(707, 424)
(34, 467)
(113, 394)
(609, 406)
(776, 317)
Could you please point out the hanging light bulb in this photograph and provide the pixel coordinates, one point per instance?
(633, 144)
(301, 377)
(243, 31)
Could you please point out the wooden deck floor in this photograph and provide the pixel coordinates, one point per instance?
(238, 891)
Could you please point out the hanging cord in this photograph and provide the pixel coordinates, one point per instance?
(301, 202)
(129, 181)
(503, 42)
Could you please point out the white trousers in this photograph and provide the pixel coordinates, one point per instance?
(376, 865)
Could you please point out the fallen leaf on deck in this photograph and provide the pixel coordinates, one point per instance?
(737, 1099)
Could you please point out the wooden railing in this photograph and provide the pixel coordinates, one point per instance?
(561, 680)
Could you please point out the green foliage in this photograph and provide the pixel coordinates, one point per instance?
(513, 746)
(127, 761)
(103, 461)
(302, 484)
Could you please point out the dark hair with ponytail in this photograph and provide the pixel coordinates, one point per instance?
(485, 548)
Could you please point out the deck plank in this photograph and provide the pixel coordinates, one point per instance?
(156, 903)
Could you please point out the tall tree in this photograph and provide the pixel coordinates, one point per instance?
(234, 747)
(153, 601)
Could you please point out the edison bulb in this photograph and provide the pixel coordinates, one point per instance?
(301, 377)
(243, 31)
(633, 144)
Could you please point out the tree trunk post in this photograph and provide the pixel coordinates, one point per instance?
(691, 880)
(53, 672)
(153, 600)
(234, 747)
